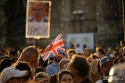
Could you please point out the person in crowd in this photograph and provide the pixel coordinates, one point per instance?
(93, 56)
(116, 53)
(72, 46)
(4, 54)
(101, 52)
(122, 44)
(90, 59)
(78, 49)
(50, 60)
(84, 47)
(53, 68)
(53, 78)
(86, 53)
(106, 63)
(30, 55)
(43, 63)
(41, 77)
(70, 53)
(63, 63)
(96, 73)
(65, 76)
(117, 74)
(96, 49)
(12, 75)
(21, 65)
(110, 52)
(13, 55)
(122, 59)
(5, 63)
(117, 60)
(80, 68)
(39, 69)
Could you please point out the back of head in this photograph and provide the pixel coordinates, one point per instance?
(71, 50)
(27, 51)
(39, 69)
(63, 62)
(5, 63)
(101, 50)
(77, 45)
(12, 52)
(21, 65)
(41, 75)
(53, 78)
(83, 70)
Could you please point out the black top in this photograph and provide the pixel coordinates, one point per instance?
(87, 80)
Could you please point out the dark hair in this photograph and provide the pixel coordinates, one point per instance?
(93, 56)
(5, 63)
(101, 50)
(116, 60)
(77, 45)
(122, 59)
(43, 63)
(53, 78)
(21, 65)
(12, 52)
(39, 69)
(81, 64)
(61, 73)
(79, 54)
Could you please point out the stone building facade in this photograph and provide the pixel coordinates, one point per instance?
(101, 17)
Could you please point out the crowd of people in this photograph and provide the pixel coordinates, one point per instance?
(74, 66)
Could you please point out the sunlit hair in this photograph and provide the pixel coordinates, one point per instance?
(71, 51)
(27, 51)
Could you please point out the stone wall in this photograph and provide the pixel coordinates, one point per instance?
(102, 17)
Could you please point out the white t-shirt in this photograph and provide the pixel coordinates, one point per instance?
(99, 81)
(78, 50)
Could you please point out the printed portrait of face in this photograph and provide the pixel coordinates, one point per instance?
(37, 10)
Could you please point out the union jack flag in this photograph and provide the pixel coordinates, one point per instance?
(54, 48)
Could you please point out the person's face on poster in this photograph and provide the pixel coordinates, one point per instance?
(38, 11)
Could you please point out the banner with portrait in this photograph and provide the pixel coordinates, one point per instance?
(38, 19)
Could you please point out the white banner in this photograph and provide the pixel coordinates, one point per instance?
(81, 39)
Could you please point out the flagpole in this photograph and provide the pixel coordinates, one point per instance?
(36, 41)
